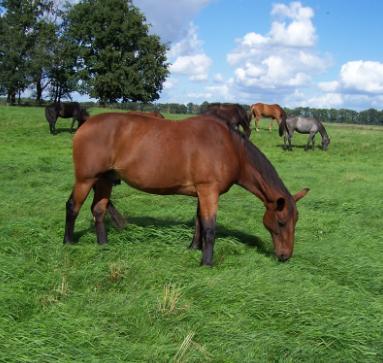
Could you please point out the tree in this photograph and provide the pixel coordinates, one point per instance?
(25, 36)
(120, 60)
(15, 25)
(41, 56)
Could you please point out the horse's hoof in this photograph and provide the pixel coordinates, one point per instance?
(195, 246)
(206, 264)
(68, 242)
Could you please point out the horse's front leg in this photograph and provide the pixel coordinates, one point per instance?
(285, 147)
(310, 140)
(289, 137)
(197, 237)
(208, 199)
(52, 127)
(72, 126)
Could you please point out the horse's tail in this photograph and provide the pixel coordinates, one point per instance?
(251, 112)
(283, 124)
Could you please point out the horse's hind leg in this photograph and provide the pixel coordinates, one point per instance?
(310, 140)
(117, 219)
(208, 202)
(102, 192)
(257, 118)
(197, 238)
(73, 205)
(271, 125)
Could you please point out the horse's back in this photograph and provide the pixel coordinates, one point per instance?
(303, 124)
(70, 109)
(154, 154)
(268, 110)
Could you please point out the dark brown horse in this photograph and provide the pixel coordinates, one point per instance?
(232, 114)
(65, 110)
(200, 157)
(275, 112)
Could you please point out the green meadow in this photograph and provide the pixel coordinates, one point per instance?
(144, 297)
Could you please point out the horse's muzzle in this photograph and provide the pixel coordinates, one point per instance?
(283, 257)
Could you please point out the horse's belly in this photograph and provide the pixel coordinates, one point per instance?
(157, 176)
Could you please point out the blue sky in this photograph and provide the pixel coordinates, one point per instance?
(325, 53)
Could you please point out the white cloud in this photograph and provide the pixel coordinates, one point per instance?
(300, 32)
(283, 58)
(218, 77)
(195, 66)
(169, 18)
(170, 83)
(362, 76)
(360, 85)
(329, 86)
(188, 45)
(327, 100)
(188, 58)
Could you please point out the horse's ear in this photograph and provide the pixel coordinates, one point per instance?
(301, 194)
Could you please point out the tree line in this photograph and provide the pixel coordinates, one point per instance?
(370, 116)
(95, 47)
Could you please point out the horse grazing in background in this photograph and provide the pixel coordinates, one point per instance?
(275, 112)
(232, 114)
(305, 125)
(65, 110)
(200, 157)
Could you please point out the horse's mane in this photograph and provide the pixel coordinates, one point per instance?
(261, 163)
(322, 129)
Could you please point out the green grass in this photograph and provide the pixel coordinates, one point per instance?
(144, 297)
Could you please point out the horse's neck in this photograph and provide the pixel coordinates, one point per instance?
(254, 178)
(323, 132)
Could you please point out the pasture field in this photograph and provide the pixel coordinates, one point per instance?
(144, 297)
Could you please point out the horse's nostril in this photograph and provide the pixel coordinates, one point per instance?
(283, 257)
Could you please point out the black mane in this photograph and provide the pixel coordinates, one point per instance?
(264, 166)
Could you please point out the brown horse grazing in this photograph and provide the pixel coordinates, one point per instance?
(275, 112)
(200, 157)
(232, 114)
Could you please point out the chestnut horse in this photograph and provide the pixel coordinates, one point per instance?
(232, 114)
(275, 112)
(200, 157)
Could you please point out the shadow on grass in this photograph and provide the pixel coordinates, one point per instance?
(65, 129)
(221, 231)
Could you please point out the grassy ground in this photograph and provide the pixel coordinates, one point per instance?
(144, 298)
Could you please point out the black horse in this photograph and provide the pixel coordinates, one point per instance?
(65, 110)
(232, 114)
(305, 125)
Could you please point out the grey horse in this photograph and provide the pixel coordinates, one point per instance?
(305, 125)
